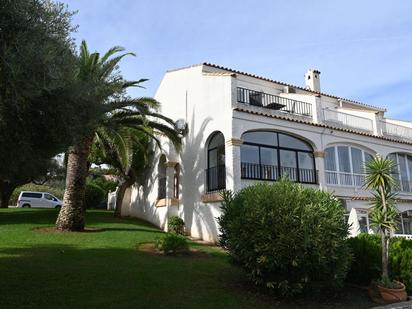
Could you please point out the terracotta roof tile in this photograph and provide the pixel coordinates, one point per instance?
(322, 125)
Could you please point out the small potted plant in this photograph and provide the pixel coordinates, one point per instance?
(379, 178)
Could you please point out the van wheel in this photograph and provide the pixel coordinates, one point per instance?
(26, 205)
(58, 207)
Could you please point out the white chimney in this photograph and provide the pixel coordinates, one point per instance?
(312, 80)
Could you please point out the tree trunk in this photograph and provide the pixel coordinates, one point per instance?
(127, 182)
(6, 190)
(385, 237)
(385, 254)
(71, 216)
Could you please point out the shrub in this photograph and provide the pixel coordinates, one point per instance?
(172, 243)
(176, 225)
(103, 183)
(287, 237)
(93, 195)
(366, 265)
(57, 192)
(367, 259)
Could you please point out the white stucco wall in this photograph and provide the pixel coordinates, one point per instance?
(205, 97)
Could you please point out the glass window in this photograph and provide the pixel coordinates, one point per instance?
(32, 195)
(288, 164)
(48, 197)
(330, 159)
(264, 138)
(357, 160)
(343, 157)
(306, 167)
(288, 141)
(249, 154)
(216, 140)
(216, 171)
(262, 157)
(268, 156)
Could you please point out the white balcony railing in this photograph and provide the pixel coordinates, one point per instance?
(344, 179)
(357, 180)
(391, 129)
(347, 120)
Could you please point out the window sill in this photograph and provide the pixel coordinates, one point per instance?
(167, 202)
(212, 197)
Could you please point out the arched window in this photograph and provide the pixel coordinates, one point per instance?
(267, 155)
(216, 170)
(161, 175)
(344, 165)
(176, 181)
(404, 171)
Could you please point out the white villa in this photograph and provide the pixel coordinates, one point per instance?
(244, 128)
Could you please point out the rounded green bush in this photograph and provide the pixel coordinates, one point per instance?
(172, 243)
(93, 195)
(176, 225)
(287, 237)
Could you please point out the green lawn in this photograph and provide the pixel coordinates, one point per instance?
(103, 269)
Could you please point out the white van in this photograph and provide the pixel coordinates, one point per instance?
(38, 199)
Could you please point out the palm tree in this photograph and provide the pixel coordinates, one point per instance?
(379, 178)
(129, 155)
(104, 90)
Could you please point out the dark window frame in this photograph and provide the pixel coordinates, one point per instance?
(220, 168)
(278, 149)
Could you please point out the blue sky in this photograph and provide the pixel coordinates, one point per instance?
(363, 48)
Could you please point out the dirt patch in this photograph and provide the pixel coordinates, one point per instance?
(52, 229)
(150, 248)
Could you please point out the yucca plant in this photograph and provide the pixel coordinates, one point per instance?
(103, 88)
(379, 179)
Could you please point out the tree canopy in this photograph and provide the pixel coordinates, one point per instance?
(41, 106)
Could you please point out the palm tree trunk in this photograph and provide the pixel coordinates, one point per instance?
(126, 183)
(71, 216)
(385, 238)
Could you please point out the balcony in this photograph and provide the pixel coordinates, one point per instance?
(357, 181)
(273, 102)
(344, 179)
(395, 130)
(347, 121)
(272, 172)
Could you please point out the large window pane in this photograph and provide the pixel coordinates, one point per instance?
(268, 156)
(357, 160)
(249, 154)
(213, 158)
(343, 157)
(263, 138)
(403, 172)
(249, 157)
(306, 167)
(330, 159)
(292, 142)
(288, 164)
(269, 161)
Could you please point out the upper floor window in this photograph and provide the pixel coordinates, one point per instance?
(268, 155)
(344, 165)
(216, 170)
(404, 171)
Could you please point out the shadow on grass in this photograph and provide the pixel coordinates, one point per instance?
(63, 276)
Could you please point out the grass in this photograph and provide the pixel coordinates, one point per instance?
(104, 269)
